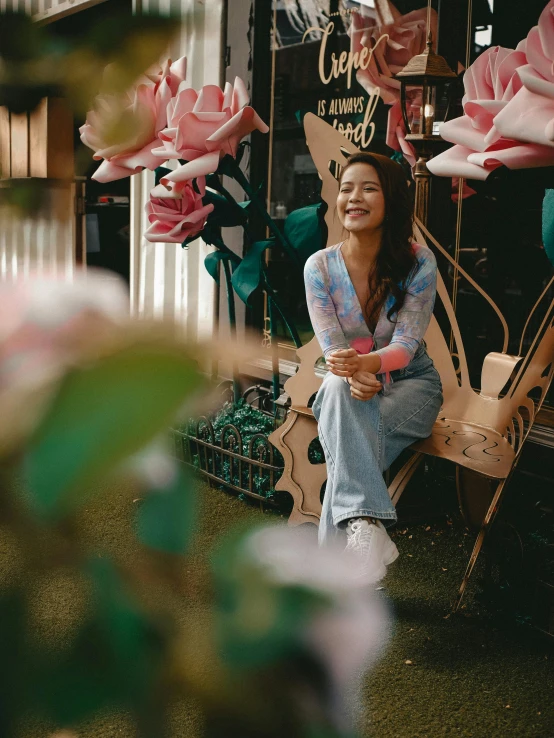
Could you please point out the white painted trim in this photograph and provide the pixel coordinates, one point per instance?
(167, 281)
(41, 242)
(60, 9)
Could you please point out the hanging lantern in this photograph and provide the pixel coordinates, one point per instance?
(426, 85)
(426, 89)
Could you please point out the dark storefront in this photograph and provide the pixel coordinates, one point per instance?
(301, 65)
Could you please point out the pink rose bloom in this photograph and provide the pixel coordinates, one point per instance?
(176, 214)
(142, 114)
(405, 37)
(396, 131)
(508, 109)
(205, 126)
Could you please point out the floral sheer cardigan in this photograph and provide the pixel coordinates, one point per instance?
(337, 316)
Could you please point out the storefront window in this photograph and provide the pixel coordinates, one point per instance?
(492, 228)
(314, 71)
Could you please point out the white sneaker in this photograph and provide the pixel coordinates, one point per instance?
(371, 542)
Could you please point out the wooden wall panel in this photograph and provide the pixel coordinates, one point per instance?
(19, 133)
(40, 242)
(39, 144)
(38, 140)
(51, 140)
(170, 282)
(5, 144)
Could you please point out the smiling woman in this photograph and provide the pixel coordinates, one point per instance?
(370, 299)
(373, 205)
(360, 197)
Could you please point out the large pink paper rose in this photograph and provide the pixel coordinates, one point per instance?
(176, 214)
(396, 131)
(135, 120)
(394, 39)
(508, 109)
(205, 126)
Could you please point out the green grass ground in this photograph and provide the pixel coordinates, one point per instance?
(468, 675)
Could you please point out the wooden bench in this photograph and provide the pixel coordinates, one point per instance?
(481, 431)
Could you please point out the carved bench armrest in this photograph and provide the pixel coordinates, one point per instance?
(305, 382)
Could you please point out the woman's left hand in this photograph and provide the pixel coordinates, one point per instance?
(344, 363)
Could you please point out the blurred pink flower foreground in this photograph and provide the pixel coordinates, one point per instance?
(508, 109)
(47, 326)
(141, 114)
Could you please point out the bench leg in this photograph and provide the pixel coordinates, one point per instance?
(403, 476)
(487, 522)
(475, 494)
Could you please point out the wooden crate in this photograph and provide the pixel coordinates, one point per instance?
(37, 144)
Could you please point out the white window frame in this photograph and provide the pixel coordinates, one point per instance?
(39, 12)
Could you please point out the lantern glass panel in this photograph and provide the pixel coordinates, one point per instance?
(443, 93)
(414, 104)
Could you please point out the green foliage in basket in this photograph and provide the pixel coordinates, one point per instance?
(250, 421)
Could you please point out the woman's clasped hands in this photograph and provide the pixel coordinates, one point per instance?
(345, 362)
(349, 364)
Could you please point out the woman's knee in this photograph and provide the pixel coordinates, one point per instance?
(334, 391)
(336, 387)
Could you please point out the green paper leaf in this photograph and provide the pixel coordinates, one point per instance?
(300, 114)
(166, 516)
(548, 224)
(102, 414)
(160, 172)
(240, 151)
(306, 231)
(225, 214)
(227, 166)
(248, 275)
(210, 234)
(212, 261)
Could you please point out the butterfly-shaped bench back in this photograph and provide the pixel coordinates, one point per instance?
(511, 414)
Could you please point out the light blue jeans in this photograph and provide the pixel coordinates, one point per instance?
(362, 439)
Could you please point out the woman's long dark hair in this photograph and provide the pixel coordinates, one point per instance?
(396, 261)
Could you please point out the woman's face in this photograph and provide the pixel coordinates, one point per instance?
(361, 203)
